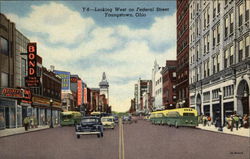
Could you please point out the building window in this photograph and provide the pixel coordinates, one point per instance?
(4, 79)
(23, 71)
(218, 7)
(215, 94)
(214, 36)
(247, 47)
(218, 34)
(231, 55)
(240, 15)
(225, 58)
(240, 50)
(4, 46)
(247, 10)
(231, 23)
(226, 27)
(214, 8)
(206, 96)
(214, 65)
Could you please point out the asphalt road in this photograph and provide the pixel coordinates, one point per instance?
(140, 140)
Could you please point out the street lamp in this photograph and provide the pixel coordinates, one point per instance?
(51, 121)
(221, 124)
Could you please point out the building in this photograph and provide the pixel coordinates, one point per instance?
(157, 87)
(182, 71)
(219, 57)
(104, 87)
(169, 84)
(141, 88)
(95, 102)
(15, 99)
(68, 98)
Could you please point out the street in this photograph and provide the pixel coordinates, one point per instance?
(140, 140)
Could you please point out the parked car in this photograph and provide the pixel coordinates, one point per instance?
(89, 125)
(108, 122)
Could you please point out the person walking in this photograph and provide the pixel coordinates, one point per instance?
(236, 119)
(204, 120)
(229, 122)
(232, 122)
(245, 121)
(209, 120)
(26, 122)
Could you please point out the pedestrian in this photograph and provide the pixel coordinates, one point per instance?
(208, 120)
(232, 122)
(245, 121)
(236, 120)
(204, 120)
(26, 122)
(229, 122)
(240, 121)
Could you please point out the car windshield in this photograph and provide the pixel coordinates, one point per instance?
(107, 120)
(88, 120)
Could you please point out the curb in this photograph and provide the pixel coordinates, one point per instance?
(222, 132)
(19, 133)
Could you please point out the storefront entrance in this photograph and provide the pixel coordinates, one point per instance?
(243, 98)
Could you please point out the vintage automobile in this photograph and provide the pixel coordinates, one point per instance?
(126, 119)
(108, 122)
(89, 125)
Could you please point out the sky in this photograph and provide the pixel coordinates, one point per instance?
(79, 37)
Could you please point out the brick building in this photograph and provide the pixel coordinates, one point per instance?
(182, 86)
(169, 84)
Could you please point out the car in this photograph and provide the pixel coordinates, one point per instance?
(89, 125)
(126, 119)
(108, 122)
(116, 118)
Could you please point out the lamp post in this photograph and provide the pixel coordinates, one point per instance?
(221, 124)
(51, 119)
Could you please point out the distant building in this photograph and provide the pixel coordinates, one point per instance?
(104, 86)
(169, 84)
(141, 88)
(157, 87)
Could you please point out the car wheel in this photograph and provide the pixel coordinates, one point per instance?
(101, 134)
(78, 136)
(98, 135)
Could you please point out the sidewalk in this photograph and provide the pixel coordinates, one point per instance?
(21, 130)
(240, 132)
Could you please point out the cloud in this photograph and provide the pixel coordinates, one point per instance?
(76, 44)
(57, 21)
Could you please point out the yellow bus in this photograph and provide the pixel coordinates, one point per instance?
(182, 117)
(159, 117)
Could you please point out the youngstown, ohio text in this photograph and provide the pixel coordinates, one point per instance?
(118, 15)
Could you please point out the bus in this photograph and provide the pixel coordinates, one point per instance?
(70, 118)
(182, 117)
(158, 117)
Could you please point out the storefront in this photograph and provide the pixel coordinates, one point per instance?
(206, 110)
(216, 111)
(228, 109)
(42, 110)
(8, 109)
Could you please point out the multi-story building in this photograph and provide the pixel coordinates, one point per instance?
(147, 98)
(136, 97)
(169, 84)
(219, 57)
(182, 86)
(95, 103)
(157, 87)
(141, 88)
